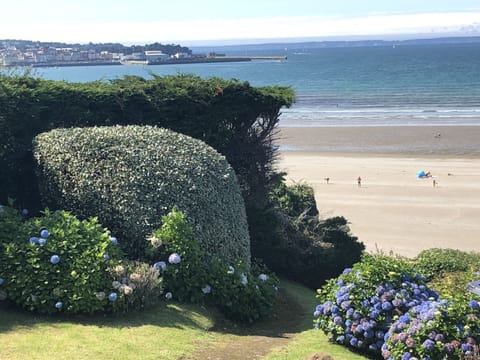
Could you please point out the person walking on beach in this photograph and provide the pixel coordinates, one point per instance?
(434, 183)
(359, 181)
(327, 179)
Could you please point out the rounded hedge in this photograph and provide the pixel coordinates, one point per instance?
(130, 176)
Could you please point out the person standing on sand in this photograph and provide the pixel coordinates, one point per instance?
(434, 183)
(359, 181)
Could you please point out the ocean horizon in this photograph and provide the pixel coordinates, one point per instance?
(402, 85)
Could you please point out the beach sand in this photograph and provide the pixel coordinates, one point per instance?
(392, 210)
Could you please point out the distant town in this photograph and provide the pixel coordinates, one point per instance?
(35, 54)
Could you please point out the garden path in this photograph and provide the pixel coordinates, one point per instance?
(256, 341)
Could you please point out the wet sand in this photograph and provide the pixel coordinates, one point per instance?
(392, 210)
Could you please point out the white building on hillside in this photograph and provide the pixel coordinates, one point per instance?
(156, 56)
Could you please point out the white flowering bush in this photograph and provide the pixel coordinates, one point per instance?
(242, 293)
(57, 263)
(130, 176)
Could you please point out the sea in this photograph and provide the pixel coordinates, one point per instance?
(428, 84)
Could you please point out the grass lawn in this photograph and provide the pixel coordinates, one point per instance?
(169, 331)
(307, 341)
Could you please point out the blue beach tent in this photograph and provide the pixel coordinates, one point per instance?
(421, 174)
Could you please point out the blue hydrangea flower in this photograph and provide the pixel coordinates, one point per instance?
(428, 344)
(106, 257)
(337, 320)
(244, 279)
(387, 306)
(161, 265)
(42, 241)
(174, 258)
(1, 281)
(354, 341)
(113, 296)
(207, 289)
(44, 233)
(34, 240)
(263, 277)
(25, 212)
(59, 305)
(55, 259)
(114, 240)
(473, 304)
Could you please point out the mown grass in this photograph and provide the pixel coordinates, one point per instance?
(167, 331)
(162, 332)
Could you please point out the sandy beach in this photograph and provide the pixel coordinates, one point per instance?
(392, 210)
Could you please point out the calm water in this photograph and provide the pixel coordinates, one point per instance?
(402, 85)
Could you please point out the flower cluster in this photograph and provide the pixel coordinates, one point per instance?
(358, 309)
(135, 284)
(435, 330)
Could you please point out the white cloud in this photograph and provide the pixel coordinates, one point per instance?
(279, 27)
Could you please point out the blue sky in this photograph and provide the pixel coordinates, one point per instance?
(140, 21)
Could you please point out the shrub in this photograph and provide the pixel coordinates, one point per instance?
(296, 199)
(58, 263)
(435, 330)
(241, 293)
(136, 284)
(129, 177)
(358, 307)
(452, 285)
(435, 262)
(304, 248)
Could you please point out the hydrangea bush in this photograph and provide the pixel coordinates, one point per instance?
(57, 263)
(435, 330)
(242, 293)
(359, 306)
(130, 176)
(384, 306)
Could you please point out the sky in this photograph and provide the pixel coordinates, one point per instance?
(242, 21)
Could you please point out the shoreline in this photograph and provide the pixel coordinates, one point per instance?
(441, 141)
(392, 211)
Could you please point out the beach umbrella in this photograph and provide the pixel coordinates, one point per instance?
(421, 174)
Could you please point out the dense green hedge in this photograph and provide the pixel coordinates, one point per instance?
(130, 176)
(231, 116)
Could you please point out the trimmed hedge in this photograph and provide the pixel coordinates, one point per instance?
(233, 117)
(131, 176)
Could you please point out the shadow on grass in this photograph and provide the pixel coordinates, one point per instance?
(293, 314)
(162, 315)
